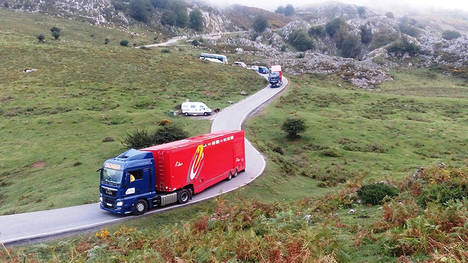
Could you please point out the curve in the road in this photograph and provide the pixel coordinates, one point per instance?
(35, 226)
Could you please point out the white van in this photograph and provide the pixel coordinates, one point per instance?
(195, 108)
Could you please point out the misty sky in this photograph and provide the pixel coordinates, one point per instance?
(396, 4)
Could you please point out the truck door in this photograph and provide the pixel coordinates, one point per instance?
(139, 181)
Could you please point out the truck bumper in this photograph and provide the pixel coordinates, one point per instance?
(120, 210)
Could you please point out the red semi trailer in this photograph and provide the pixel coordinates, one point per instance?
(160, 175)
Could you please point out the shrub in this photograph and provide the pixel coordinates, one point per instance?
(300, 55)
(366, 35)
(293, 127)
(404, 46)
(383, 37)
(408, 29)
(140, 10)
(317, 31)
(331, 152)
(41, 38)
(260, 23)
(124, 43)
(375, 193)
(389, 15)
(197, 22)
(195, 43)
(443, 193)
(169, 133)
(165, 51)
(55, 32)
(450, 34)
(138, 139)
(106, 41)
(301, 41)
(142, 138)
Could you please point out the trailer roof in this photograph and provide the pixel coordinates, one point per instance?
(276, 68)
(188, 141)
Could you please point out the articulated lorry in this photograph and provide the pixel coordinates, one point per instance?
(276, 76)
(138, 180)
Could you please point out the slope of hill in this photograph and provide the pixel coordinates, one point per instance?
(243, 16)
(80, 97)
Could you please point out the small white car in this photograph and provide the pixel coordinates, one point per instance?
(240, 64)
(195, 108)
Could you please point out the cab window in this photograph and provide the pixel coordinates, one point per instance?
(135, 175)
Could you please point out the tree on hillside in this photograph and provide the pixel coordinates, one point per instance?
(450, 34)
(55, 31)
(161, 4)
(334, 25)
(280, 10)
(361, 11)
(293, 127)
(389, 15)
(366, 34)
(317, 31)
(180, 11)
(168, 18)
(301, 41)
(289, 10)
(140, 10)
(350, 47)
(197, 22)
(260, 23)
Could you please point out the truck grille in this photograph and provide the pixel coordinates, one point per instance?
(108, 191)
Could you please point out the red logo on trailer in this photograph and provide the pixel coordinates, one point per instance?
(196, 164)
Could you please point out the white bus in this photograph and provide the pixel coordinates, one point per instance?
(214, 58)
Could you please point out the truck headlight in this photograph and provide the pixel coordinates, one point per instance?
(100, 199)
(120, 203)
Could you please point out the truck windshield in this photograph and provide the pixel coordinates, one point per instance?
(112, 176)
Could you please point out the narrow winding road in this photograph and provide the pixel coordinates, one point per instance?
(49, 224)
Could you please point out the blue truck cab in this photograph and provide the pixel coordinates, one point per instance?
(274, 79)
(127, 183)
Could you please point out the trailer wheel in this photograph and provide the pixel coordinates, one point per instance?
(183, 196)
(229, 177)
(206, 113)
(140, 207)
(186, 114)
(236, 173)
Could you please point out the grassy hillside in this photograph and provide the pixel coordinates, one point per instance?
(306, 207)
(59, 123)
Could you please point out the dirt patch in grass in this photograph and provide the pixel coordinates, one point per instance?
(39, 165)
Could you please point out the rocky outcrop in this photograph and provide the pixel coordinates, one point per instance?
(94, 11)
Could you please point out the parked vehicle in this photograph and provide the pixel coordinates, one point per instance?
(138, 180)
(214, 58)
(276, 76)
(240, 64)
(263, 70)
(195, 108)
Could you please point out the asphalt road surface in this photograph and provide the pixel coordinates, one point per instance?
(35, 227)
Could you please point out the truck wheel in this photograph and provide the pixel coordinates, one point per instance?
(186, 114)
(183, 196)
(205, 113)
(236, 173)
(229, 177)
(140, 207)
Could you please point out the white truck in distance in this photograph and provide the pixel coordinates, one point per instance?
(195, 108)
